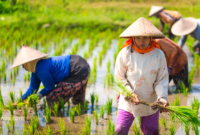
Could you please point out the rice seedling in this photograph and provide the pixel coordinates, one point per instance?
(96, 116)
(92, 97)
(85, 105)
(183, 88)
(96, 98)
(102, 110)
(163, 122)
(37, 123)
(190, 78)
(12, 96)
(139, 120)
(109, 106)
(110, 129)
(100, 57)
(10, 107)
(184, 113)
(1, 98)
(62, 125)
(72, 114)
(187, 130)
(136, 129)
(33, 101)
(32, 127)
(49, 131)
(12, 121)
(4, 76)
(68, 103)
(20, 93)
(88, 126)
(44, 105)
(62, 104)
(78, 109)
(108, 66)
(7, 126)
(48, 115)
(25, 113)
(176, 102)
(195, 105)
(172, 129)
(56, 109)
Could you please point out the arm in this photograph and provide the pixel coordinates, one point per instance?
(48, 83)
(161, 83)
(161, 25)
(182, 40)
(120, 68)
(34, 85)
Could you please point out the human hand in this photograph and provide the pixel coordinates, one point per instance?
(164, 104)
(135, 100)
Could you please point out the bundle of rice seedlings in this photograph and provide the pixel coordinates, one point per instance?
(184, 113)
(187, 130)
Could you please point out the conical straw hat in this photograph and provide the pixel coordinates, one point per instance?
(27, 54)
(142, 27)
(184, 26)
(154, 10)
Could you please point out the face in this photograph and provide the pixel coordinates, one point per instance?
(142, 42)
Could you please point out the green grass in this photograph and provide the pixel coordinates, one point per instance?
(109, 106)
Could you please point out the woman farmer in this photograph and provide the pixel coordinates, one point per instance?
(142, 66)
(176, 61)
(185, 27)
(68, 72)
(166, 17)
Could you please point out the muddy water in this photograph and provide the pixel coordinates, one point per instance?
(104, 94)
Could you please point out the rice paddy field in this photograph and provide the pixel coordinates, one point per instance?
(89, 28)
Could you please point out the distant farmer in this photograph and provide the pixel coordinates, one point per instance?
(68, 72)
(187, 26)
(142, 67)
(166, 17)
(176, 61)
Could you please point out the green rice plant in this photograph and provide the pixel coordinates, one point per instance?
(33, 101)
(4, 76)
(163, 122)
(25, 113)
(49, 131)
(85, 105)
(37, 123)
(1, 111)
(32, 127)
(11, 107)
(183, 88)
(25, 130)
(44, 105)
(78, 109)
(139, 120)
(48, 115)
(96, 116)
(72, 114)
(195, 105)
(62, 125)
(12, 121)
(108, 66)
(102, 110)
(172, 129)
(1, 98)
(88, 126)
(100, 57)
(56, 109)
(20, 93)
(136, 129)
(92, 97)
(109, 106)
(12, 96)
(176, 102)
(184, 113)
(7, 126)
(96, 98)
(190, 78)
(187, 130)
(110, 128)
(68, 103)
(62, 104)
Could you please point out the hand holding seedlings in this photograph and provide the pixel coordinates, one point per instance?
(135, 100)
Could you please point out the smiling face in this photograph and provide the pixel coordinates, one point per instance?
(142, 42)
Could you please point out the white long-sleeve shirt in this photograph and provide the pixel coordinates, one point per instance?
(144, 74)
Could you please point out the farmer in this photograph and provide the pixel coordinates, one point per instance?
(185, 27)
(176, 61)
(142, 66)
(68, 72)
(166, 16)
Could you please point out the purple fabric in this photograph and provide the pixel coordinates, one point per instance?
(118, 98)
(149, 124)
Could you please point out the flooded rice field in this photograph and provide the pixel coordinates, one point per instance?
(98, 84)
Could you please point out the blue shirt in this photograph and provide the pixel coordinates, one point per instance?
(195, 34)
(50, 72)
